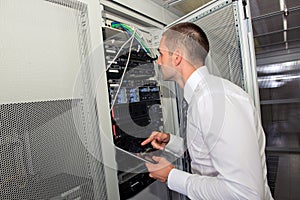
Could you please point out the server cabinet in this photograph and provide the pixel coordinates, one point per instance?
(231, 56)
(135, 100)
(67, 102)
(49, 134)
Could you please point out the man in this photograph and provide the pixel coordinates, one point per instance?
(225, 139)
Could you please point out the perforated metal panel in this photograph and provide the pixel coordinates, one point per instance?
(224, 58)
(220, 23)
(42, 151)
(46, 127)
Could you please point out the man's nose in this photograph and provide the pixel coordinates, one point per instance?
(158, 61)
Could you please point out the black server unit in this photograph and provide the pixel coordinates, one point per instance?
(134, 101)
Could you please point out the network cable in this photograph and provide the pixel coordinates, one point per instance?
(123, 75)
(129, 30)
(121, 48)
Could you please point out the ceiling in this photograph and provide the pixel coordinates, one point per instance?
(276, 24)
(181, 7)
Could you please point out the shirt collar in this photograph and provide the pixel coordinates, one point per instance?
(193, 81)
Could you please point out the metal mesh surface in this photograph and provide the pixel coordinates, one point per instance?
(224, 58)
(43, 155)
(47, 132)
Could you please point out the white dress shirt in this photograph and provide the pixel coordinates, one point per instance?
(225, 140)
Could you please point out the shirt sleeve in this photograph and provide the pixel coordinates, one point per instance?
(175, 145)
(198, 187)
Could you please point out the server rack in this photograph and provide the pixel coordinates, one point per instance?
(72, 139)
(232, 57)
(135, 101)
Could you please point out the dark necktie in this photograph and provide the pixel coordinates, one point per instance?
(186, 159)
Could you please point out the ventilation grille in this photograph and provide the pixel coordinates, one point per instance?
(43, 153)
(224, 58)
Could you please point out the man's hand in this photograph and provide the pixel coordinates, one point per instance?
(161, 170)
(158, 140)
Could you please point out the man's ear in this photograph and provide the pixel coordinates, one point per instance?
(177, 57)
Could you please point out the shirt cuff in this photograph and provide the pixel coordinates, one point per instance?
(177, 181)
